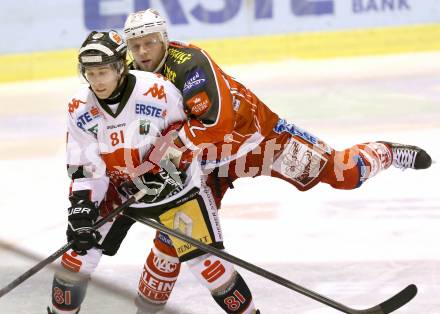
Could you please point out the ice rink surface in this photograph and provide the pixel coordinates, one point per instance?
(356, 247)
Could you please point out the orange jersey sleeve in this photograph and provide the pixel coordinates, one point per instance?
(219, 109)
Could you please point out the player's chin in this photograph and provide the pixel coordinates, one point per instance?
(102, 94)
(147, 66)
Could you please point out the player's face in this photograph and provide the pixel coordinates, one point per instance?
(102, 79)
(147, 51)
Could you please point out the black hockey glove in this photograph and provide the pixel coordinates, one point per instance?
(82, 215)
(159, 186)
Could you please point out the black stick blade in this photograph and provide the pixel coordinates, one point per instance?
(399, 299)
(393, 303)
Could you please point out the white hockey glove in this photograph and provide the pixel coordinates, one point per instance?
(159, 185)
(169, 147)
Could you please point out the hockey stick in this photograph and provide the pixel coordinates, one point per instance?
(35, 269)
(388, 306)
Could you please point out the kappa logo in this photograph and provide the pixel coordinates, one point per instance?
(213, 271)
(74, 104)
(157, 92)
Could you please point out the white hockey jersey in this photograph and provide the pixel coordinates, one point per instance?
(103, 145)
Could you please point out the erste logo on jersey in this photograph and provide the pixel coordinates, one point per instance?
(195, 78)
(156, 92)
(87, 117)
(199, 103)
(149, 110)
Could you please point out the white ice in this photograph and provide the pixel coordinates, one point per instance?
(356, 247)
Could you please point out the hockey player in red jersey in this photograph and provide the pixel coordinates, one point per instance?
(113, 123)
(236, 135)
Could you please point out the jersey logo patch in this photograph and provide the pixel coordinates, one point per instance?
(299, 163)
(144, 127)
(283, 126)
(195, 78)
(115, 37)
(74, 104)
(178, 56)
(199, 103)
(169, 73)
(149, 110)
(87, 117)
(94, 130)
(157, 92)
(213, 271)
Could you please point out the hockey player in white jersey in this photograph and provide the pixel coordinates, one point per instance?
(113, 123)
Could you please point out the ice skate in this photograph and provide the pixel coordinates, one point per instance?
(408, 156)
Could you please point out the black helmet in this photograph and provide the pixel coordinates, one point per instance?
(101, 48)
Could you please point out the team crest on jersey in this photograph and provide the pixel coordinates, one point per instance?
(144, 127)
(195, 78)
(157, 92)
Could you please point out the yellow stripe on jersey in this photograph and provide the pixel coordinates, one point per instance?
(315, 45)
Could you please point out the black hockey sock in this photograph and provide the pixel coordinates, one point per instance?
(235, 298)
(68, 294)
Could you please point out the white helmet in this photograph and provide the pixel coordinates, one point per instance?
(142, 23)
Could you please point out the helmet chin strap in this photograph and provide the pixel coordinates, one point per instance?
(165, 55)
(160, 65)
